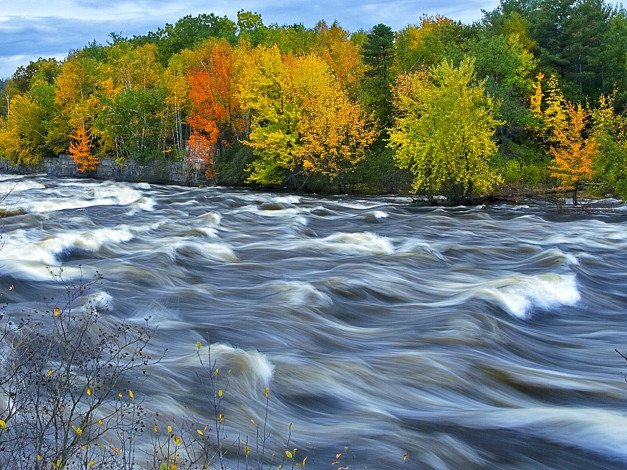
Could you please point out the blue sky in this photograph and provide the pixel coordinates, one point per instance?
(30, 29)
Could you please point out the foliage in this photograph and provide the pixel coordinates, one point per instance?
(378, 56)
(444, 136)
(301, 122)
(69, 370)
(200, 87)
(610, 131)
(81, 152)
(565, 126)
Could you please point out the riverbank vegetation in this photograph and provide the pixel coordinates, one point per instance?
(532, 97)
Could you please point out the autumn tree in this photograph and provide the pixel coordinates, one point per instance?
(575, 152)
(214, 105)
(80, 151)
(566, 128)
(302, 123)
(444, 132)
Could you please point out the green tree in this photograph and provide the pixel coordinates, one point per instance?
(378, 56)
(444, 132)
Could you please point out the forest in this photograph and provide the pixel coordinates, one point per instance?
(531, 98)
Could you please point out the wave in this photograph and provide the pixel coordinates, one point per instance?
(520, 295)
(19, 246)
(359, 243)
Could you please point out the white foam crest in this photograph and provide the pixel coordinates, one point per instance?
(9, 187)
(99, 300)
(142, 185)
(215, 251)
(108, 195)
(519, 295)
(19, 246)
(212, 218)
(359, 243)
(295, 293)
(286, 199)
(250, 367)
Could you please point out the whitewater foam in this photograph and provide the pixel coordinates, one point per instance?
(520, 295)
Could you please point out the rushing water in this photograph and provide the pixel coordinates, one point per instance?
(464, 337)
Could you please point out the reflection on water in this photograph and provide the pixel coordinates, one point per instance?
(465, 337)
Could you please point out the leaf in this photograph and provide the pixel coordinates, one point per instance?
(198, 345)
(164, 466)
(266, 392)
(253, 421)
(49, 373)
(177, 439)
(92, 462)
(199, 432)
(130, 394)
(289, 454)
(88, 392)
(56, 311)
(3, 424)
(77, 430)
(220, 393)
(169, 429)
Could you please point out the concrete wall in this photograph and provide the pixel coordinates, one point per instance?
(186, 173)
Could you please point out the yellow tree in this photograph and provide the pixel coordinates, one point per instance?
(574, 153)
(80, 150)
(565, 126)
(444, 132)
(303, 121)
(333, 131)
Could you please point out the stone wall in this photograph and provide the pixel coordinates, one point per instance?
(186, 173)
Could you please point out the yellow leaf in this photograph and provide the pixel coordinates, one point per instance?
(156, 428)
(405, 457)
(49, 373)
(130, 394)
(216, 372)
(169, 429)
(116, 450)
(220, 393)
(100, 421)
(177, 439)
(266, 392)
(3, 424)
(57, 311)
(120, 395)
(92, 462)
(221, 417)
(289, 454)
(198, 344)
(304, 461)
(88, 391)
(199, 431)
(78, 430)
(247, 450)
(38, 457)
(253, 421)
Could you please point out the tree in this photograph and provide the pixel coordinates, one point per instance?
(610, 130)
(81, 152)
(302, 122)
(565, 126)
(214, 105)
(378, 56)
(445, 129)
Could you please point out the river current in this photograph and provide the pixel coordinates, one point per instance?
(469, 337)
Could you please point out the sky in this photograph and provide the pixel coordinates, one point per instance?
(30, 29)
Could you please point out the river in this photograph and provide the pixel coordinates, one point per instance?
(468, 337)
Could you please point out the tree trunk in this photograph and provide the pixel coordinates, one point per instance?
(575, 202)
